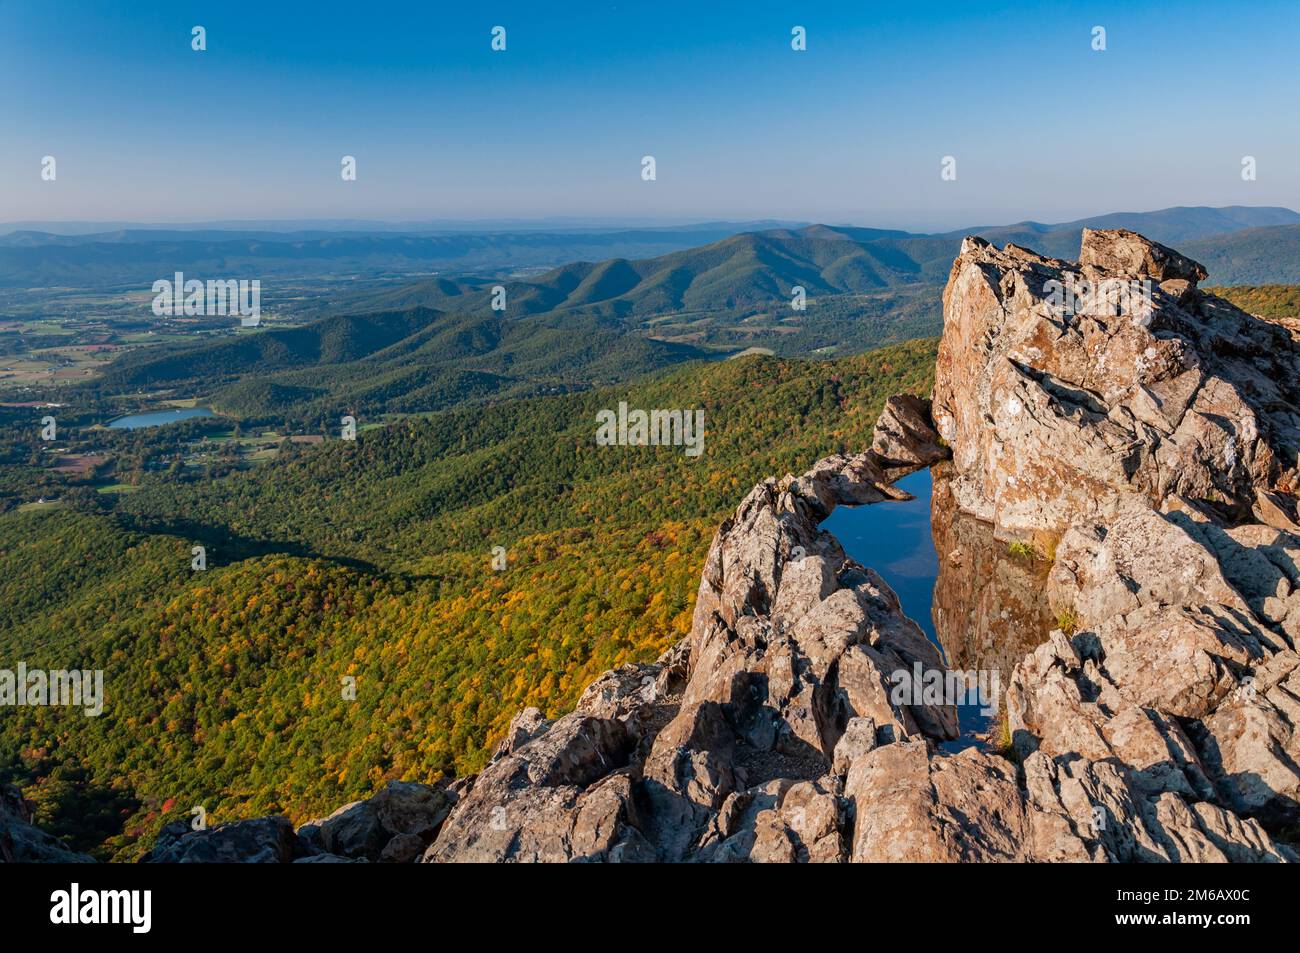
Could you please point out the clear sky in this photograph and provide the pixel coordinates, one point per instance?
(741, 126)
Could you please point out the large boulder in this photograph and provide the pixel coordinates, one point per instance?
(561, 796)
(395, 825)
(905, 435)
(1148, 441)
(264, 840)
(1065, 390)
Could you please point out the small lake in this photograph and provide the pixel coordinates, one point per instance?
(156, 418)
(896, 540)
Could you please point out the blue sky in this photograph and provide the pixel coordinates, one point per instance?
(742, 127)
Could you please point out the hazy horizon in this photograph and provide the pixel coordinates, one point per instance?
(74, 227)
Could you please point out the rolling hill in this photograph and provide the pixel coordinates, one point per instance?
(743, 271)
(427, 345)
(757, 270)
(821, 257)
(390, 362)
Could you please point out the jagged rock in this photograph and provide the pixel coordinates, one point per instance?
(1097, 811)
(688, 773)
(782, 821)
(524, 727)
(351, 831)
(403, 849)
(905, 435)
(559, 797)
(909, 805)
(1276, 510)
(626, 692)
(367, 829)
(1142, 441)
(264, 840)
(1121, 252)
(1058, 415)
(859, 737)
(780, 608)
(1252, 743)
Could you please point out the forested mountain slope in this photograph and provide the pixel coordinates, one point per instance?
(373, 560)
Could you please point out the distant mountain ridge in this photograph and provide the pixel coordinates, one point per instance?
(816, 254)
(750, 269)
(755, 269)
(1179, 224)
(124, 257)
(434, 343)
(447, 226)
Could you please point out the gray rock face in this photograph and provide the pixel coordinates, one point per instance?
(1069, 392)
(566, 795)
(264, 840)
(394, 826)
(1154, 448)
(904, 434)
(1121, 252)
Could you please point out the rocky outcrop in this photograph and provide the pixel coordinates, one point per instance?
(394, 826)
(1069, 392)
(263, 840)
(726, 748)
(1149, 441)
(905, 436)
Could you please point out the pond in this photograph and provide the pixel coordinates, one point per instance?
(982, 607)
(156, 418)
(894, 539)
